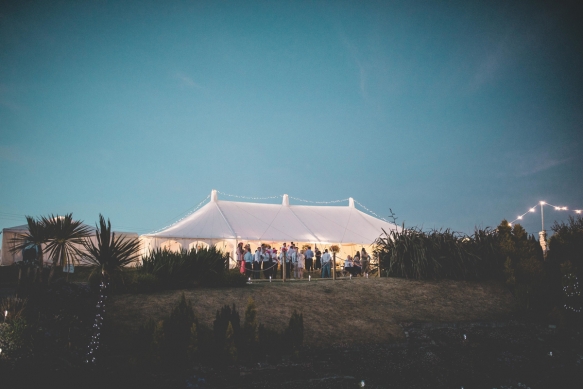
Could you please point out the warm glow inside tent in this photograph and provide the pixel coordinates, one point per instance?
(225, 223)
(7, 258)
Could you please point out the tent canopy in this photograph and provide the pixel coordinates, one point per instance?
(220, 220)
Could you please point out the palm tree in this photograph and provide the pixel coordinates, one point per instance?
(111, 253)
(66, 236)
(35, 237)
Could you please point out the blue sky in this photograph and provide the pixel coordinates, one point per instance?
(454, 115)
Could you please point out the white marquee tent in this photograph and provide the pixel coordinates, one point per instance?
(7, 258)
(225, 223)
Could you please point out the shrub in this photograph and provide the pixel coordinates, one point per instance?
(145, 283)
(183, 269)
(234, 278)
(294, 333)
(225, 316)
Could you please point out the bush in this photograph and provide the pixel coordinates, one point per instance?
(234, 278)
(183, 269)
(145, 283)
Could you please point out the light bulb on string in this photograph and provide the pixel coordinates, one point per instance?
(532, 210)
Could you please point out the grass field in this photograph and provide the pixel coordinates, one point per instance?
(335, 312)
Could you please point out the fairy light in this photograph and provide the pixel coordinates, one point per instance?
(94, 344)
(543, 203)
(371, 212)
(249, 198)
(575, 292)
(319, 202)
(182, 218)
(263, 198)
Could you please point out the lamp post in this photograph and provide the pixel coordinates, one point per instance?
(542, 236)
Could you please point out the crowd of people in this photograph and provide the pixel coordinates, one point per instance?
(272, 262)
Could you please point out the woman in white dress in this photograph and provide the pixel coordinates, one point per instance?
(301, 264)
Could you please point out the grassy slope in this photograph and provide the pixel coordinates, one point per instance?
(359, 310)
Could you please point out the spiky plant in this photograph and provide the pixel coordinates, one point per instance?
(66, 237)
(110, 254)
(35, 237)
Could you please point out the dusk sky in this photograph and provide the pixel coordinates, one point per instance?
(453, 115)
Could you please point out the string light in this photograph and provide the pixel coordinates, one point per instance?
(94, 344)
(542, 203)
(371, 212)
(249, 198)
(319, 202)
(265, 198)
(182, 218)
(576, 292)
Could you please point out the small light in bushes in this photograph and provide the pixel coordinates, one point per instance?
(550, 353)
(465, 337)
(362, 384)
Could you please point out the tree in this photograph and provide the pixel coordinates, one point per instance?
(65, 237)
(111, 253)
(35, 237)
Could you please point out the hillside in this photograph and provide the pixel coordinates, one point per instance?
(335, 312)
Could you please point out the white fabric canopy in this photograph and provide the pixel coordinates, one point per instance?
(226, 220)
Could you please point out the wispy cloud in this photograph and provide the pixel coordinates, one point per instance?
(354, 52)
(535, 163)
(187, 81)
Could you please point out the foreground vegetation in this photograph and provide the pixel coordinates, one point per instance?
(492, 274)
(543, 287)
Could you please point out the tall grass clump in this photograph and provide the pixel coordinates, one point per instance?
(414, 253)
(206, 266)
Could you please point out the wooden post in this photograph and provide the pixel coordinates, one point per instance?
(334, 265)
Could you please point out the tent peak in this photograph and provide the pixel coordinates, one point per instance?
(351, 202)
(285, 201)
(214, 197)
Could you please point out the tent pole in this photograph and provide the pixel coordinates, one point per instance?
(334, 266)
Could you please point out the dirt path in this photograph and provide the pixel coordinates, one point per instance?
(335, 312)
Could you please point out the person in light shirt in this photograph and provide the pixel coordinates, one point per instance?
(293, 253)
(274, 262)
(257, 263)
(248, 261)
(309, 254)
(284, 260)
(326, 264)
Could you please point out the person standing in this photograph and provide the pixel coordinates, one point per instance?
(283, 260)
(240, 259)
(293, 253)
(257, 263)
(268, 263)
(326, 264)
(301, 264)
(356, 261)
(365, 262)
(309, 254)
(318, 259)
(248, 258)
(274, 263)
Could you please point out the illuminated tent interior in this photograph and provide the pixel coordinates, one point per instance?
(7, 258)
(226, 223)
